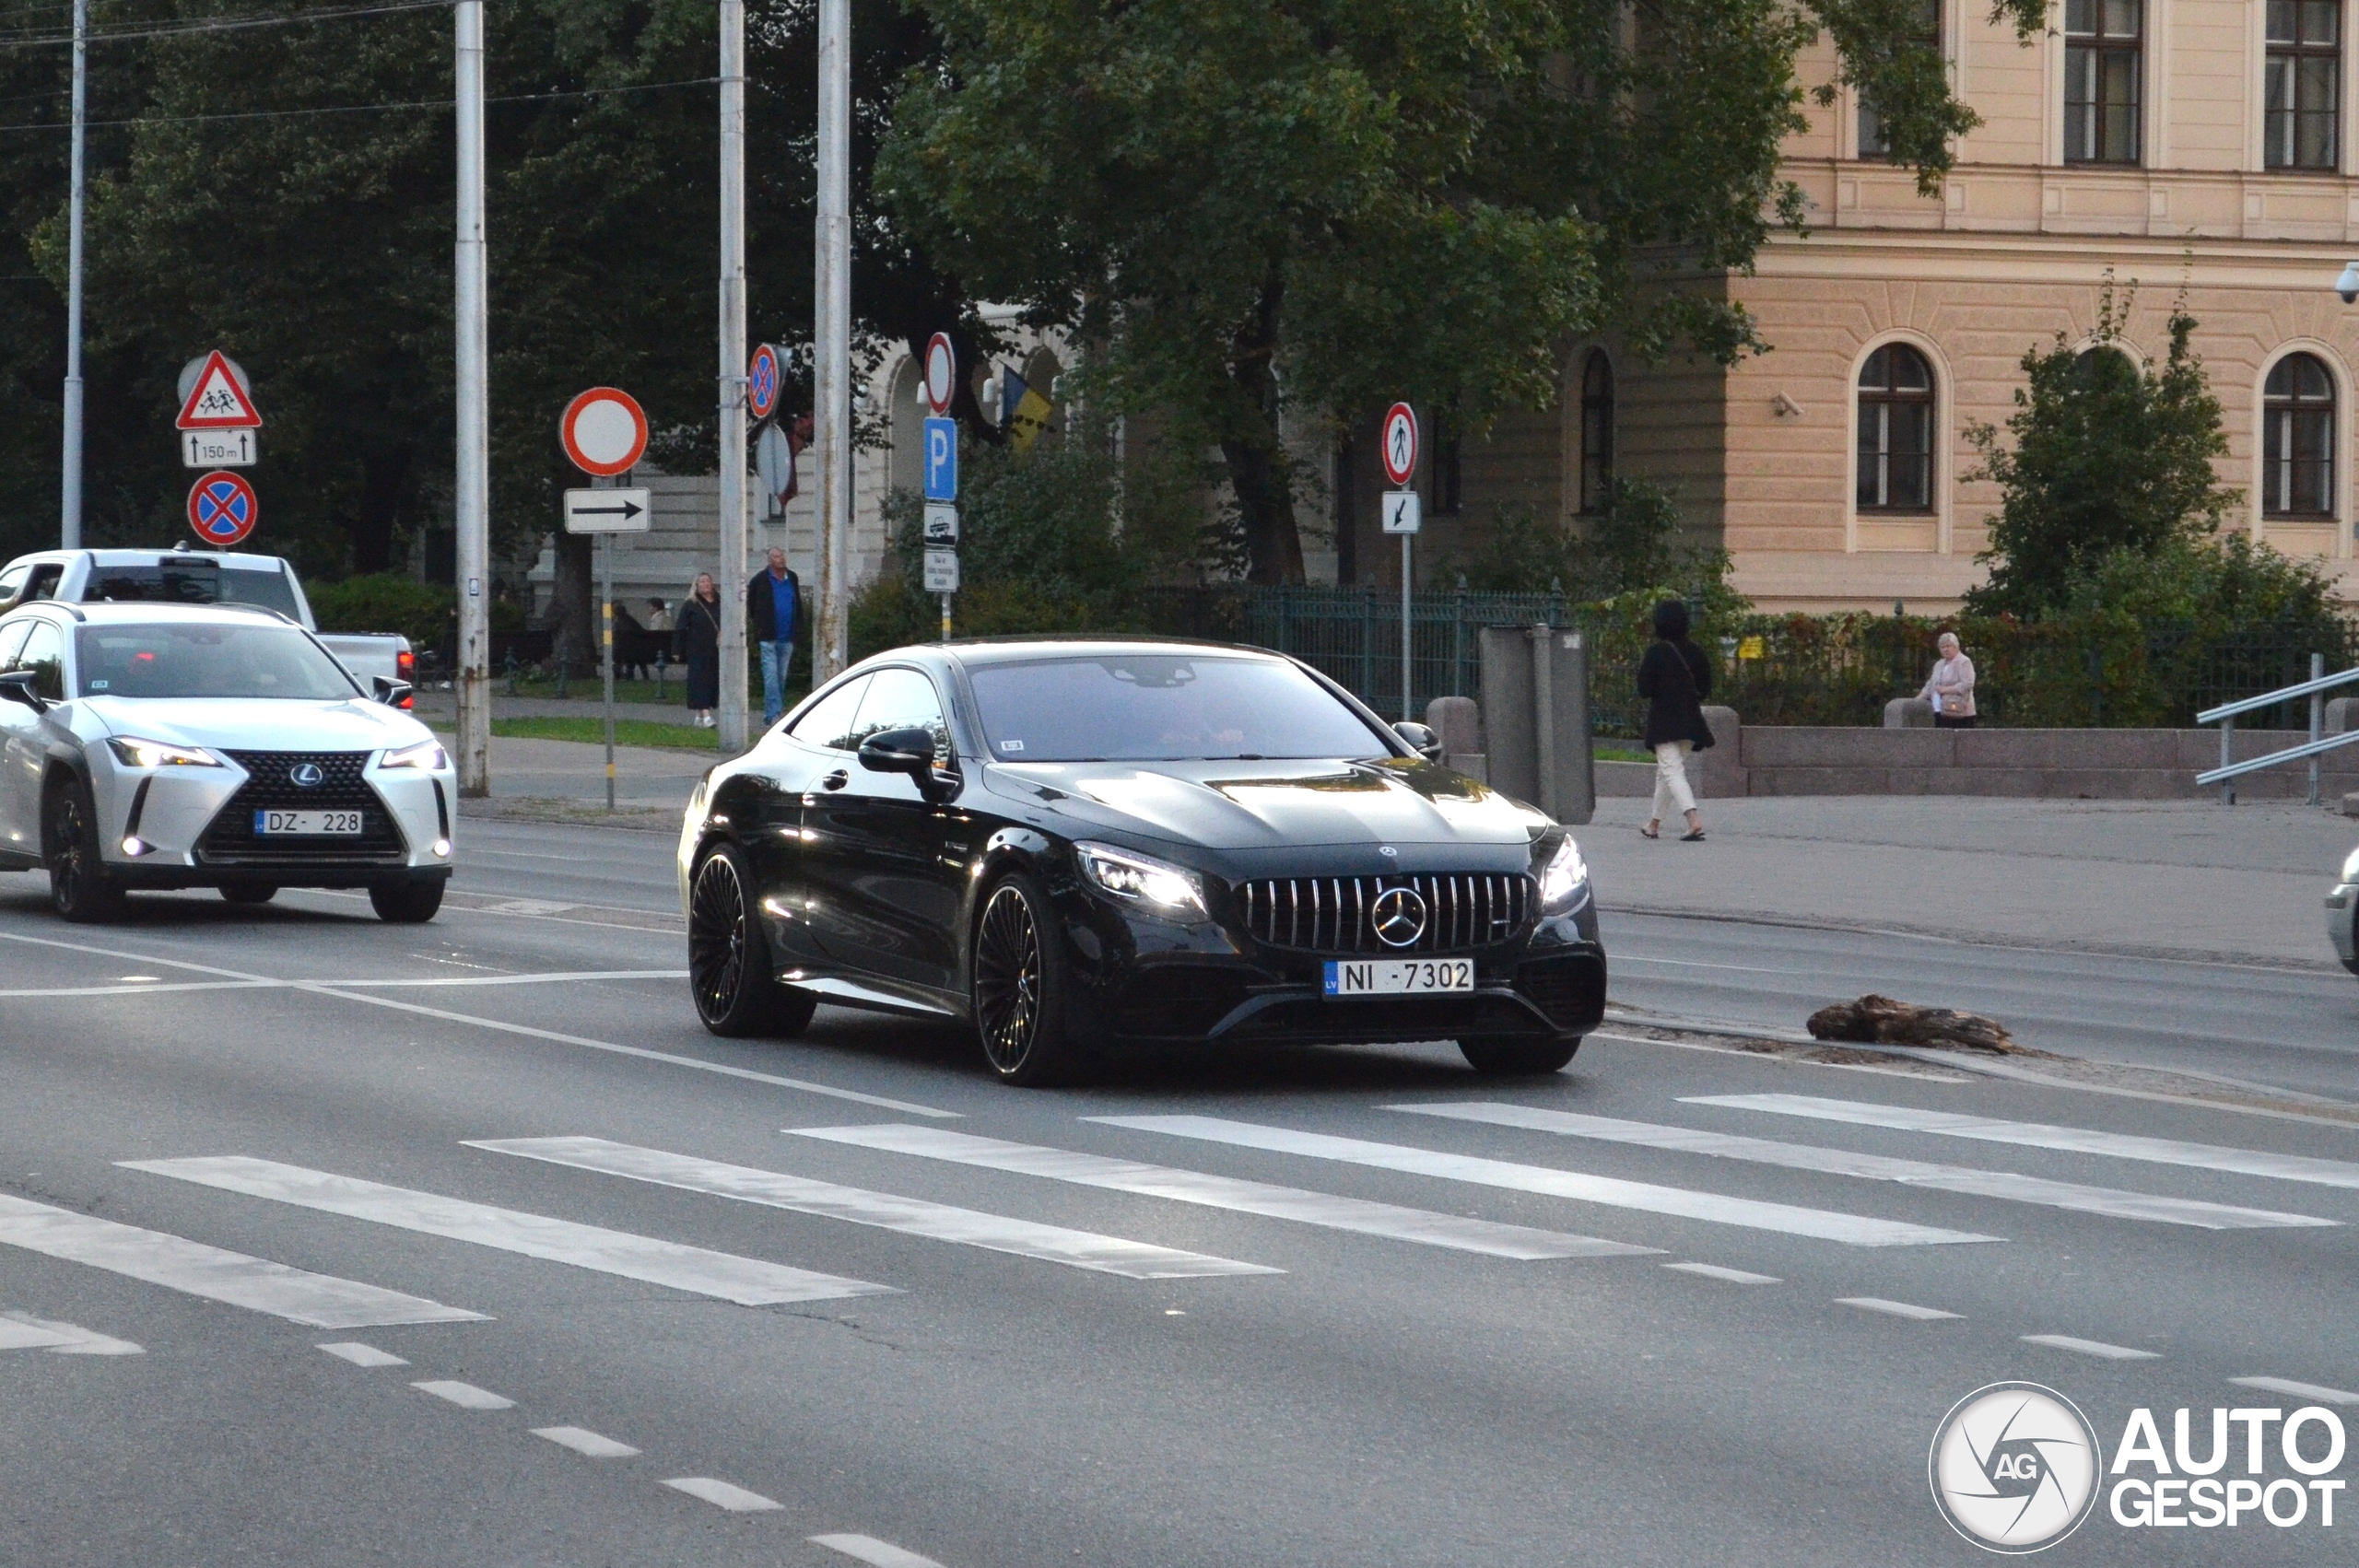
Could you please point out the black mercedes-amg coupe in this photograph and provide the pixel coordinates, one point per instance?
(1080, 844)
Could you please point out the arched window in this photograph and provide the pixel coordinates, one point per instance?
(2297, 440)
(1895, 432)
(1597, 431)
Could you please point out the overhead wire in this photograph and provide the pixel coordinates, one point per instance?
(27, 38)
(362, 108)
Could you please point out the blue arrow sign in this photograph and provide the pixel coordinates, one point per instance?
(942, 460)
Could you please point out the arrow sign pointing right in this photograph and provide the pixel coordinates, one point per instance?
(607, 511)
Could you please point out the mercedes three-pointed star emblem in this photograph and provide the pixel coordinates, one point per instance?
(1399, 916)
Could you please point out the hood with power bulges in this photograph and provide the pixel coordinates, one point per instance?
(260, 724)
(1248, 805)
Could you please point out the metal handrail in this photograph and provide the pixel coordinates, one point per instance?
(2290, 754)
(2266, 699)
(2315, 689)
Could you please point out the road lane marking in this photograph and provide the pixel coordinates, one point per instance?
(722, 1494)
(1733, 1276)
(748, 1282)
(2007, 1185)
(514, 979)
(2037, 1135)
(642, 1052)
(142, 989)
(79, 1342)
(2089, 1347)
(1231, 1193)
(359, 1354)
(467, 1396)
(16, 1334)
(1897, 1308)
(1852, 1229)
(2292, 1389)
(875, 1554)
(582, 1440)
(910, 1216)
(322, 1301)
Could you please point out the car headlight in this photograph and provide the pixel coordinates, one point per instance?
(132, 751)
(426, 755)
(1141, 880)
(1564, 880)
(2351, 866)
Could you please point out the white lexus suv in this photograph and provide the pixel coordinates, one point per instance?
(159, 746)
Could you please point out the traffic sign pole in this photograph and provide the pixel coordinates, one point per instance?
(1401, 516)
(606, 648)
(734, 529)
(471, 501)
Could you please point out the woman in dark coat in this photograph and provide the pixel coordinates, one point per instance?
(696, 641)
(1674, 677)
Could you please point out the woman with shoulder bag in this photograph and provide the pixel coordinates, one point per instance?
(695, 640)
(1674, 677)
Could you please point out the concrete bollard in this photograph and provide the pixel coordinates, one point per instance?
(1909, 713)
(2341, 712)
(1458, 720)
(1721, 776)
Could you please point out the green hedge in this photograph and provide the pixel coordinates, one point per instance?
(384, 602)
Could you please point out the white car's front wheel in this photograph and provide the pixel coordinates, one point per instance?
(407, 902)
(79, 888)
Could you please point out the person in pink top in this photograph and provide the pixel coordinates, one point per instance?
(1951, 686)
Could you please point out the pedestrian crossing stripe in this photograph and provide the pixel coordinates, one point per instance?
(748, 1282)
(1232, 1193)
(1852, 1229)
(913, 1216)
(2038, 1135)
(2007, 1185)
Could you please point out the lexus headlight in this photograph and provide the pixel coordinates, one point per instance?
(1564, 880)
(426, 754)
(1141, 880)
(2350, 867)
(132, 752)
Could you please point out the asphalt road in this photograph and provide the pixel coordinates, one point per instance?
(1354, 1361)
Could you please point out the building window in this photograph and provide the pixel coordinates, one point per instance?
(2102, 43)
(2298, 440)
(1927, 31)
(1597, 432)
(1895, 432)
(2304, 84)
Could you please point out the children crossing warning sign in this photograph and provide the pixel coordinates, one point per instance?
(216, 401)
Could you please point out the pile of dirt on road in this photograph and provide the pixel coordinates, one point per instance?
(1879, 1020)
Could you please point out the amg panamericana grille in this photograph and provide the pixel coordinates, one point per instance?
(1337, 914)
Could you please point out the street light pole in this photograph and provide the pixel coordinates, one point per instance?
(69, 526)
(831, 423)
(733, 376)
(472, 503)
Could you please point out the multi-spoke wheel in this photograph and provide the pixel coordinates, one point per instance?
(1502, 1059)
(729, 967)
(1019, 988)
(79, 888)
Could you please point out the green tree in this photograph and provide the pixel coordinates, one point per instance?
(2110, 461)
(1263, 215)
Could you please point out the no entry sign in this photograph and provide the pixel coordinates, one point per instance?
(604, 432)
(1400, 443)
(222, 508)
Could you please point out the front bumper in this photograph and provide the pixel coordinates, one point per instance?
(192, 826)
(2342, 910)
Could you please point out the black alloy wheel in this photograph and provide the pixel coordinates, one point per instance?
(250, 892)
(1504, 1059)
(1019, 989)
(406, 902)
(729, 968)
(79, 888)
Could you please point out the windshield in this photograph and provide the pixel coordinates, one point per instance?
(195, 581)
(201, 658)
(1163, 708)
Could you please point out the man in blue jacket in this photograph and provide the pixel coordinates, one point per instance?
(772, 600)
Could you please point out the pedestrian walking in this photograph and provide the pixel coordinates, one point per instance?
(1674, 677)
(696, 641)
(771, 601)
(658, 616)
(630, 644)
(1950, 689)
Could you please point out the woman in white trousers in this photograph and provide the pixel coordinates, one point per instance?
(1673, 677)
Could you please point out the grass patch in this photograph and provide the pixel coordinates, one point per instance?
(628, 732)
(1621, 753)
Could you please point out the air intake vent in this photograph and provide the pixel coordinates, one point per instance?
(1358, 914)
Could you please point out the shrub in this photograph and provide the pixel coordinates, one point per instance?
(385, 601)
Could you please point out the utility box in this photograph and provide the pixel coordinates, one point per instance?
(1535, 718)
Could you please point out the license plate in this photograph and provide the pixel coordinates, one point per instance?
(268, 825)
(1399, 976)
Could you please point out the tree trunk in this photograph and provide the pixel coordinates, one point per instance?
(574, 606)
(384, 485)
(1259, 472)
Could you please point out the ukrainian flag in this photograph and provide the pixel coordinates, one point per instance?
(1025, 414)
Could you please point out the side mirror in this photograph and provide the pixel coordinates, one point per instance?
(1424, 741)
(907, 751)
(392, 694)
(16, 685)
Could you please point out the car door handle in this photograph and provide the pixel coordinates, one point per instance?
(835, 780)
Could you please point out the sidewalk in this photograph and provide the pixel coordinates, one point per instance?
(2166, 878)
